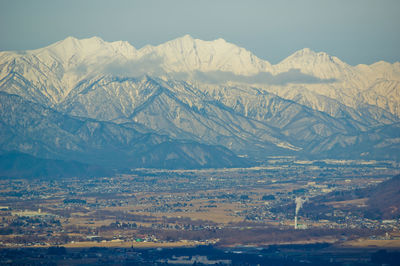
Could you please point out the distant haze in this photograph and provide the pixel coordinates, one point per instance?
(357, 31)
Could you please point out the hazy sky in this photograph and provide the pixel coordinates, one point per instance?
(357, 31)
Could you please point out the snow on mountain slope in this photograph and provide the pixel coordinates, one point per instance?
(53, 71)
(169, 107)
(72, 52)
(246, 120)
(58, 68)
(187, 54)
(384, 93)
(319, 65)
(28, 76)
(33, 129)
(255, 108)
(381, 70)
(298, 123)
(347, 83)
(358, 110)
(382, 143)
(108, 98)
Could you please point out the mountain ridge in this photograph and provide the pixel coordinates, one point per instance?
(42, 132)
(206, 94)
(186, 57)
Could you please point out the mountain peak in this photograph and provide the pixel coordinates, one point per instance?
(186, 37)
(124, 48)
(72, 44)
(186, 54)
(220, 40)
(188, 42)
(305, 51)
(72, 51)
(185, 40)
(71, 41)
(307, 56)
(317, 64)
(95, 38)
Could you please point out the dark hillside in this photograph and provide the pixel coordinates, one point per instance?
(384, 200)
(20, 165)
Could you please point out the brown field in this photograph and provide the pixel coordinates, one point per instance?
(234, 214)
(129, 244)
(364, 243)
(355, 202)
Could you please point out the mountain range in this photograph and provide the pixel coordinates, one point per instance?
(190, 103)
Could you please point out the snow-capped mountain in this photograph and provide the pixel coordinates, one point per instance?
(210, 93)
(187, 55)
(61, 66)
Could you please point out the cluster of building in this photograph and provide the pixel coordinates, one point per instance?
(267, 195)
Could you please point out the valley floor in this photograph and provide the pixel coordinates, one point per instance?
(226, 216)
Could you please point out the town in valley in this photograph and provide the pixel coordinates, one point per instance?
(288, 202)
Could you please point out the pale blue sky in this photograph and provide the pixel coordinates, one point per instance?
(357, 31)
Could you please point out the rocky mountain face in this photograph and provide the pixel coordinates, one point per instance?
(190, 103)
(31, 128)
